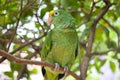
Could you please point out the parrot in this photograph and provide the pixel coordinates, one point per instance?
(61, 44)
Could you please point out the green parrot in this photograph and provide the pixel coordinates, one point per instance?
(60, 45)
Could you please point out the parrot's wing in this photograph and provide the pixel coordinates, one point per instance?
(46, 46)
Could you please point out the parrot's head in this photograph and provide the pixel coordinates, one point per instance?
(61, 19)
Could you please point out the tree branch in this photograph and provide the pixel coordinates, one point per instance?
(93, 26)
(22, 71)
(25, 61)
(103, 53)
(85, 63)
(88, 16)
(114, 29)
(23, 68)
(21, 11)
(37, 17)
(22, 46)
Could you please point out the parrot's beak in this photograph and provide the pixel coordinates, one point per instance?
(51, 13)
(50, 21)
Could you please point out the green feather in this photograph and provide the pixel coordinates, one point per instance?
(46, 46)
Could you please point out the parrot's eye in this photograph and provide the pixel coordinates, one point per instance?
(56, 13)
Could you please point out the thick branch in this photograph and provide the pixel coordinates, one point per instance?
(25, 61)
(93, 27)
(85, 63)
(23, 68)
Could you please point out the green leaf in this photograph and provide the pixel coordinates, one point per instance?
(37, 25)
(69, 4)
(15, 66)
(2, 20)
(34, 71)
(111, 44)
(9, 74)
(44, 10)
(106, 30)
(112, 66)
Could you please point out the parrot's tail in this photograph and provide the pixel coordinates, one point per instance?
(51, 75)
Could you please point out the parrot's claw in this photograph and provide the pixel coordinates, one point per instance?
(66, 70)
(57, 66)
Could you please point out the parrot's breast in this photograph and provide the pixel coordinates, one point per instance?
(64, 45)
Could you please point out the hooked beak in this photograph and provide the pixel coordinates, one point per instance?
(50, 20)
(51, 13)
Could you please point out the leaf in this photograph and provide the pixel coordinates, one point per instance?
(2, 20)
(37, 25)
(99, 33)
(15, 66)
(34, 71)
(99, 63)
(9, 74)
(106, 30)
(112, 66)
(44, 10)
(111, 44)
(69, 4)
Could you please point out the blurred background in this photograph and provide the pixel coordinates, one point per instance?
(23, 26)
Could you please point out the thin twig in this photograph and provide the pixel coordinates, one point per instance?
(104, 52)
(17, 41)
(22, 46)
(59, 4)
(22, 71)
(114, 29)
(21, 11)
(88, 16)
(39, 21)
(25, 61)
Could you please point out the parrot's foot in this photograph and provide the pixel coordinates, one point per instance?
(66, 70)
(63, 76)
(57, 66)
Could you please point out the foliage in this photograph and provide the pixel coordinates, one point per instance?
(22, 21)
